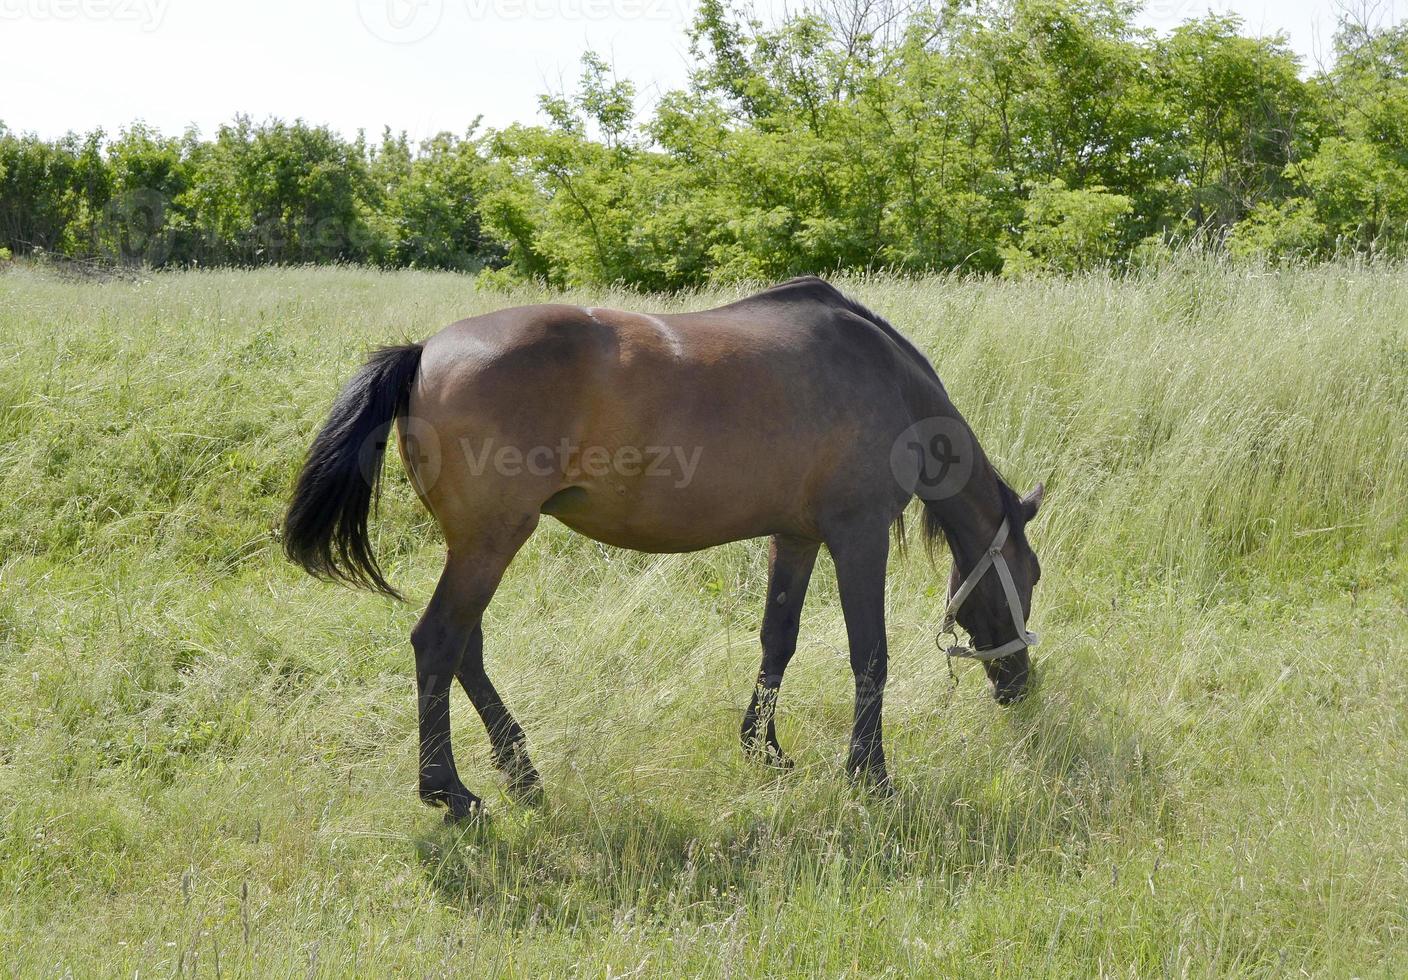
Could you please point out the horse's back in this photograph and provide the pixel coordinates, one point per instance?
(756, 409)
(786, 327)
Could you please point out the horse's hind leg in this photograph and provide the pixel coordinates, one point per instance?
(790, 562)
(506, 739)
(472, 573)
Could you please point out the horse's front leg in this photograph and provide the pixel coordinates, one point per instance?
(790, 563)
(860, 553)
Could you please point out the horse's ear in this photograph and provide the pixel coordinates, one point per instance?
(1031, 503)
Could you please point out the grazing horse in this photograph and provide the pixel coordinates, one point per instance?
(795, 413)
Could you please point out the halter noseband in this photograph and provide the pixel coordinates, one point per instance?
(992, 558)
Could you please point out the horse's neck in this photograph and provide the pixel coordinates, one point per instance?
(971, 517)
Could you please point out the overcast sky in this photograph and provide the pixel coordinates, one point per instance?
(418, 65)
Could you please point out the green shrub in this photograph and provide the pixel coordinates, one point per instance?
(1278, 232)
(1067, 231)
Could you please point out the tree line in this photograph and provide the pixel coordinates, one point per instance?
(1011, 136)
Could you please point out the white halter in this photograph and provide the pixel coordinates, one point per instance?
(993, 558)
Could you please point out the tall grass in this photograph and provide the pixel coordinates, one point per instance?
(207, 759)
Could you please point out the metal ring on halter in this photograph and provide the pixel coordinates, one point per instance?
(947, 630)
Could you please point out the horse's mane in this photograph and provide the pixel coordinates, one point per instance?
(933, 531)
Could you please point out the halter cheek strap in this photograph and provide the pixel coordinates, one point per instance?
(991, 559)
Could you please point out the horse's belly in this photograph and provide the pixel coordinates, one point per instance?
(659, 524)
(653, 541)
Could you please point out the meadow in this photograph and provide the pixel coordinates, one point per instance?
(207, 759)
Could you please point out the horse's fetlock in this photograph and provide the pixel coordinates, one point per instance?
(433, 795)
(512, 754)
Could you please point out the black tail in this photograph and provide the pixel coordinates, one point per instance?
(325, 530)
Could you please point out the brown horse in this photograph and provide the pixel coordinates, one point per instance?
(795, 413)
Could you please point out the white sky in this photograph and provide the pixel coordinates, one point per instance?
(418, 65)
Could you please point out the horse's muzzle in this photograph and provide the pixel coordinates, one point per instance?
(1010, 677)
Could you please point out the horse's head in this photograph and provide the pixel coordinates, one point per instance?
(992, 599)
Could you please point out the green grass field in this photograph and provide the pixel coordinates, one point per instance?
(207, 759)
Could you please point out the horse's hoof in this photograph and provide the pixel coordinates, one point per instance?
(882, 788)
(768, 755)
(775, 758)
(461, 805)
(474, 815)
(527, 792)
(874, 778)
